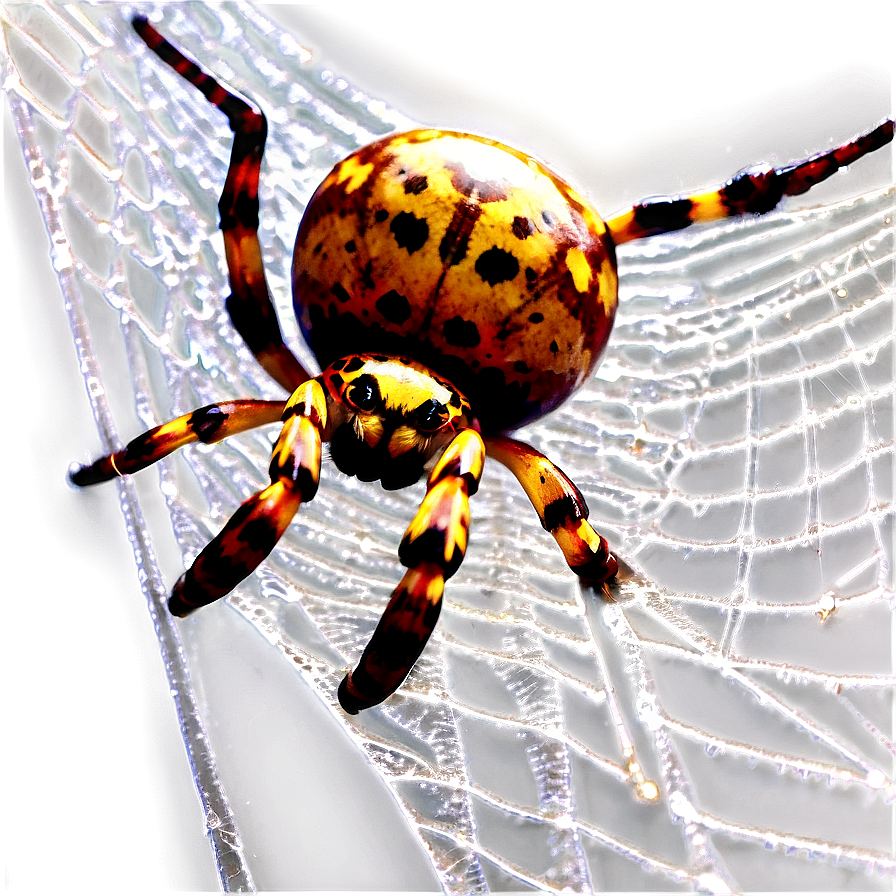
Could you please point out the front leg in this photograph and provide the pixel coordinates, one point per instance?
(250, 306)
(432, 549)
(253, 531)
(560, 507)
(563, 512)
(755, 191)
(210, 424)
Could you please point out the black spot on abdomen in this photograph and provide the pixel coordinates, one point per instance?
(461, 333)
(416, 184)
(456, 241)
(522, 227)
(410, 232)
(394, 307)
(497, 266)
(340, 292)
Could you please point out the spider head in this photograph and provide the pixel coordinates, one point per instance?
(388, 416)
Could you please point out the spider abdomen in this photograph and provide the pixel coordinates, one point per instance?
(468, 256)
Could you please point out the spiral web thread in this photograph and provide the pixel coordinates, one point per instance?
(736, 447)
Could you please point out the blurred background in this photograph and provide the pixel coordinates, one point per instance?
(642, 100)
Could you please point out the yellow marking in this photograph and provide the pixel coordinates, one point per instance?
(445, 507)
(421, 136)
(620, 227)
(352, 171)
(588, 535)
(458, 520)
(468, 450)
(268, 498)
(426, 582)
(312, 462)
(114, 467)
(571, 545)
(429, 512)
(404, 387)
(708, 207)
(579, 268)
(312, 394)
(594, 221)
(251, 263)
(299, 439)
(176, 428)
(283, 448)
(528, 467)
(278, 503)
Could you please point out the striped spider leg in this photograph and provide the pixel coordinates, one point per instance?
(249, 304)
(387, 418)
(754, 191)
(258, 524)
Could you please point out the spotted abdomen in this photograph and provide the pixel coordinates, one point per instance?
(466, 255)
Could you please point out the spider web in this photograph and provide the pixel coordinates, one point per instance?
(736, 447)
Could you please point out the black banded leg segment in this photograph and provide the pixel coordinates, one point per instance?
(249, 305)
(563, 512)
(256, 527)
(432, 549)
(210, 424)
(754, 191)
(560, 507)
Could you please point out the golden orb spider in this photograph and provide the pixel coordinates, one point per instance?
(452, 289)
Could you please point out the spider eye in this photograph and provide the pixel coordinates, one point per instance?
(364, 393)
(430, 416)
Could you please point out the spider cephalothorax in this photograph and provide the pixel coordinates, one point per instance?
(453, 288)
(388, 417)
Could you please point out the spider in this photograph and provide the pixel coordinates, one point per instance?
(452, 289)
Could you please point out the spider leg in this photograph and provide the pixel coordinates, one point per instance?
(432, 549)
(249, 305)
(210, 424)
(563, 512)
(755, 191)
(560, 507)
(256, 527)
